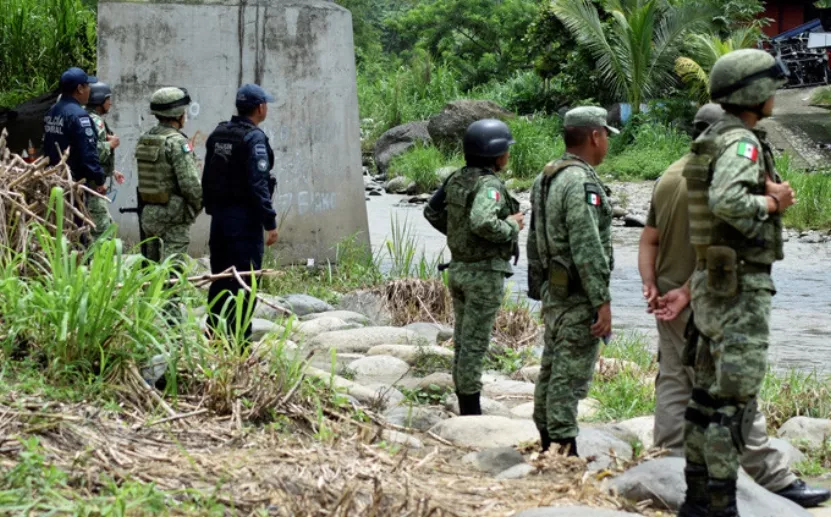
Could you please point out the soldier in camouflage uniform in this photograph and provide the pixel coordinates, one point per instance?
(735, 201)
(98, 105)
(482, 223)
(169, 185)
(570, 252)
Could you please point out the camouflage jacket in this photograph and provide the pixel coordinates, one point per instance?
(106, 154)
(576, 236)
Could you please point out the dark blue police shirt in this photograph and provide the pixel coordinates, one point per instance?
(256, 174)
(67, 124)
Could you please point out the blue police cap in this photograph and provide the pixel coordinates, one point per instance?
(74, 77)
(251, 95)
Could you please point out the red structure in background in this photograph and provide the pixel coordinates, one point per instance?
(788, 14)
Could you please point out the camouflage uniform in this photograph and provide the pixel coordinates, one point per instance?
(99, 208)
(573, 243)
(481, 241)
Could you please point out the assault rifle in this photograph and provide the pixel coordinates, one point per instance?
(137, 210)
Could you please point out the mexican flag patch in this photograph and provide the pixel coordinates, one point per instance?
(187, 148)
(748, 150)
(592, 199)
(493, 194)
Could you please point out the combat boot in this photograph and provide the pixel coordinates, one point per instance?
(469, 404)
(723, 498)
(567, 446)
(545, 439)
(697, 499)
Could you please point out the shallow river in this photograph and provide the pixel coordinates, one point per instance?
(800, 326)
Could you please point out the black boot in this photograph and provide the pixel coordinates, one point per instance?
(469, 404)
(545, 439)
(804, 495)
(722, 498)
(697, 499)
(567, 446)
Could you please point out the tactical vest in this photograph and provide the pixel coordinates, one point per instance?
(705, 229)
(224, 182)
(153, 167)
(466, 246)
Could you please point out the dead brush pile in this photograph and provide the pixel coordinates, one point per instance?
(412, 300)
(25, 190)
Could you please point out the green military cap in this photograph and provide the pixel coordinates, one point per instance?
(589, 116)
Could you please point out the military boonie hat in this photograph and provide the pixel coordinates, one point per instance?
(589, 116)
(75, 77)
(251, 95)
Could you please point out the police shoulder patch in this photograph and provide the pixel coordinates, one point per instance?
(260, 150)
(85, 122)
(88, 131)
(593, 196)
(262, 165)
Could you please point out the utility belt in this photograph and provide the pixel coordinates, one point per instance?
(160, 198)
(724, 268)
(562, 281)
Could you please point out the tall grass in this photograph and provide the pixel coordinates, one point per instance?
(38, 40)
(644, 151)
(813, 193)
(538, 141)
(421, 165)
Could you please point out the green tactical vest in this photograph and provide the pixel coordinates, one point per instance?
(705, 229)
(466, 246)
(155, 174)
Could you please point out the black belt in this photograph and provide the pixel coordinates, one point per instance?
(745, 268)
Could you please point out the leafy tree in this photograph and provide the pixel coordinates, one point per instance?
(635, 50)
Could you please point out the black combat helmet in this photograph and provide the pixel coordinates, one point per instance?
(488, 138)
(98, 93)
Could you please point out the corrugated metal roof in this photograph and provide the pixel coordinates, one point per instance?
(811, 26)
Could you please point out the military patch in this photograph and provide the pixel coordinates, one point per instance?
(748, 150)
(100, 124)
(260, 150)
(85, 122)
(592, 194)
(493, 194)
(187, 148)
(88, 131)
(262, 165)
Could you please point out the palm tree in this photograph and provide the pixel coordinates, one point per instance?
(636, 50)
(703, 52)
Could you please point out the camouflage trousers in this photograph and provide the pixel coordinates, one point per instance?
(731, 362)
(477, 296)
(100, 213)
(166, 236)
(567, 368)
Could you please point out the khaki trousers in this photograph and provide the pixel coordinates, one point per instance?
(763, 462)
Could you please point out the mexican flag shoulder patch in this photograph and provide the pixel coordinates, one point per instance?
(748, 150)
(593, 199)
(186, 147)
(494, 194)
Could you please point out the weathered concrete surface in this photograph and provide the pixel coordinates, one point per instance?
(301, 51)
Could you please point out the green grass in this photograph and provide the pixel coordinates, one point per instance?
(644, 152)
(821, 96)
(813, 194)
(421, 163)
(538, 141)
(626, 393)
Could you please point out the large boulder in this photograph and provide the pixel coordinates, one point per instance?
(430, 331)
(399, 140)
(662, 481)
(494, 461)
(805, 430)
(347, 316)
(482, 432)
(412, 354)
(378, 368)
(400, 185)
(448, 127)
(303, 304)
(312, 328)
(261, 327)
(414, 417)
(640, 429)
(403, 439)
(603, 446)
(572, 511)
(512, 388)
(490, 407)
(369, 303)
(270, 313)
(361, 340)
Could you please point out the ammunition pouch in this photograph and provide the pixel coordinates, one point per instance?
(537, 275)
(722, 274)
(558, 280)
(740, 424)
(691, 336)
(156, 198)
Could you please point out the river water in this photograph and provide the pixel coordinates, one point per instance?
(800, 324)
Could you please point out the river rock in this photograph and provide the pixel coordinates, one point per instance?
(430, 331)
(378, 368)
(387, 396)
(530, 373)
(806, 430)
(516, 472)
(449, 126)
(347, 316)
(662, 480)
(787, 449)
(493, 461)
(639, 429)
(270, 313)
(484, 432)
(312, 328)
(399, 438)
(634, 221)
(261, 349)
(260, 327)
(303, 304)
(508, 387)
(489, 407)
(361, 340)
(400, 185)
(586, 410)
(600, 444)
(525, 411)
(572, 511)
(397, 141)
(441, 380)
(370, 304)
(619, 212)
(414, 417)
(411, 354)
(443, 173)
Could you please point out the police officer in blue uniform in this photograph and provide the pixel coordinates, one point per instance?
(67, 124)
(237, 188)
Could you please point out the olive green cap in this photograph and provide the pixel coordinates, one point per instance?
(589, 116)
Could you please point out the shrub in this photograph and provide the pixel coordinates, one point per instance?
(644, 151)
(420, 165)
(813, 192)
(538, 141)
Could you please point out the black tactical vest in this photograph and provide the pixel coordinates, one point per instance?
(224, 181)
